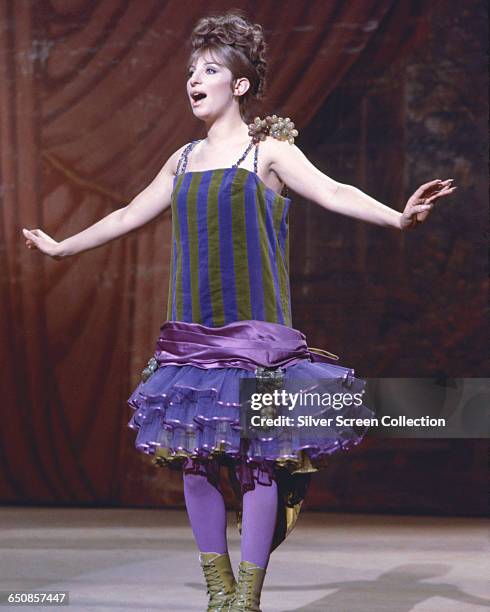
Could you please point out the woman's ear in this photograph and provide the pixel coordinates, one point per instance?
(241, 86)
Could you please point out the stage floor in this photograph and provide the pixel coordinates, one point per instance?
(135, 559)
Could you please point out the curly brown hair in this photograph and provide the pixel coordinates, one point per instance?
(240, 45)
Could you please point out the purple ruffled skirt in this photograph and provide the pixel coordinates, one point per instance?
(189, 412)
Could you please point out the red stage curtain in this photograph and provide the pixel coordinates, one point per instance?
(92, 102)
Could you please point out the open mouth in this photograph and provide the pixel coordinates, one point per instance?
(197, 96)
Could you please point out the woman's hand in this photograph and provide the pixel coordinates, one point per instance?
(421, 203)
(37, 239)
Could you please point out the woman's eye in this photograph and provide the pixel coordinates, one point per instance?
(189, 74)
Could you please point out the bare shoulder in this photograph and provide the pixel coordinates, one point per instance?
(273, 146)
(172, 162)
(167, 172)
(273, 151)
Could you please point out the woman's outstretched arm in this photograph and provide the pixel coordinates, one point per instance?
(297, 172)
(148, 204)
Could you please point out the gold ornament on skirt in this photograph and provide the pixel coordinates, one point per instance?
(277, 127)
(150, 368)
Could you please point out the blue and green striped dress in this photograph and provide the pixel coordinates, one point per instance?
(230, 247)
(230, 263)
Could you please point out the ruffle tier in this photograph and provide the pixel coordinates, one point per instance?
(189, 415)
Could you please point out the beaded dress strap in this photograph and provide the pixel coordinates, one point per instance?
(184, 157)
(182, 164)
(256, 154)
(246, 152)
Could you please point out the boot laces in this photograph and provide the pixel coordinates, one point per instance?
(245, 580)
(213, 579)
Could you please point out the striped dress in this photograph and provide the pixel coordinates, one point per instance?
(230, 247)
(230, 264)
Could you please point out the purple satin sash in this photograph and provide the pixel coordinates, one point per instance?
(241, 344)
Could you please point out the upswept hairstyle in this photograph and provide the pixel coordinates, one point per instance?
(240, 45)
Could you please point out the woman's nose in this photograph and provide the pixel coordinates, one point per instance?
(195, 78)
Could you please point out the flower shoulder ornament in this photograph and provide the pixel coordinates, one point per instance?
(277, 127)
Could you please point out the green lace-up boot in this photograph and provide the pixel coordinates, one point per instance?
(220, 580)
(248, 588)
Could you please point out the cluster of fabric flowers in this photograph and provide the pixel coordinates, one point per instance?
(277, 127)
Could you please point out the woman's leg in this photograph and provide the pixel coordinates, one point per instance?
(258, 523)
(259, 512)
(207, 512)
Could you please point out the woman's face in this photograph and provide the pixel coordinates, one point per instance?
(210, 78)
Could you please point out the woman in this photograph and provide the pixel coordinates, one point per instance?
(229, 316)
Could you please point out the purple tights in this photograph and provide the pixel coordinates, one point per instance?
(207, 515)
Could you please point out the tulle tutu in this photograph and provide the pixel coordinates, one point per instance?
(185, 411)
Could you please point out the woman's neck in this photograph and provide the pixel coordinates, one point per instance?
(231, 129)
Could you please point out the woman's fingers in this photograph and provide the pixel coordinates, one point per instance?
(33, 235)
(447, 188)
(427, 187)
(31, 238)
(29, 241)
(444, 192)
(416, 208)
(38, 233)
(29, 234)
(37, 239)
(422, 202)
(42, 234)
(428, 203)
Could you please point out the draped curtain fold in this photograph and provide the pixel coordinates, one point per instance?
(92, 103)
